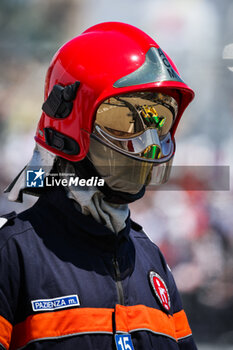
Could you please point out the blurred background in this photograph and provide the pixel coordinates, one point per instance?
(193, 228)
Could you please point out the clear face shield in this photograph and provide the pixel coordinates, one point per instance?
(131, 141)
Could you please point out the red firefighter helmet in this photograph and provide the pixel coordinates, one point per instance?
(108, 59)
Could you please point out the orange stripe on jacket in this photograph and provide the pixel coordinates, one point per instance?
(5, 332)
(181, 325)
(136, 317)
(89, 320)
(61, 323)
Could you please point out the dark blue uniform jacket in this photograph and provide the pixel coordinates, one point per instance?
(68, 282)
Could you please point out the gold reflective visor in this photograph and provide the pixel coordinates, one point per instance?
(137, 124)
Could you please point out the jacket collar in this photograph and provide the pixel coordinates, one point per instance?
(57, 197)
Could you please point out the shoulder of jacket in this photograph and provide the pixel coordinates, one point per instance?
(138, 230)
(140, 233)
(7, 218)
(10, 226)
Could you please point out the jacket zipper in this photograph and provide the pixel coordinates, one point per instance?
(118, 281)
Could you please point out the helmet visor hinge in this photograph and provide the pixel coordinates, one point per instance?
(59, 102)
(61, 142)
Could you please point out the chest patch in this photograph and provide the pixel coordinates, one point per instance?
(160, 290)
(55, 303)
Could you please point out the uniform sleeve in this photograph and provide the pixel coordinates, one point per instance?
(182, 328)
(9, 286)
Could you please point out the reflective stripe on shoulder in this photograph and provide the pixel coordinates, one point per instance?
(3, 221)
(5, 333)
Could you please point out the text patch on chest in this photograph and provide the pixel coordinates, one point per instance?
(55, 303)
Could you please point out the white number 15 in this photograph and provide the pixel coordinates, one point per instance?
(124, 346)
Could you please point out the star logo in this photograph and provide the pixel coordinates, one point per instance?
(35, 178)
(39, 174)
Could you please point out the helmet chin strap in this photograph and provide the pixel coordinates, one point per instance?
(85, 169)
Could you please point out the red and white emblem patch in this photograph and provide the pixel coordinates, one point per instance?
(160, 290)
